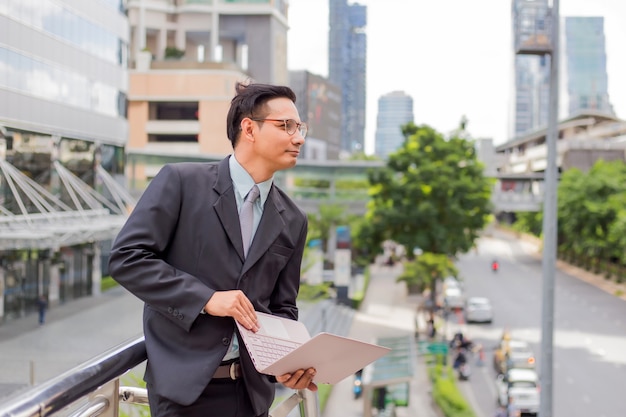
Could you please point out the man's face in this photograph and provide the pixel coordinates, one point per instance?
(275, 147)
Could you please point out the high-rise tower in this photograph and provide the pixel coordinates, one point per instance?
(395, 109)
(347, 49)
(531, 72)
(585, 53)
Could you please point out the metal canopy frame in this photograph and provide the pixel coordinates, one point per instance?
(43, 221)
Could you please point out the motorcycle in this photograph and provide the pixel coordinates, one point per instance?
(495, 266)
(464, 371)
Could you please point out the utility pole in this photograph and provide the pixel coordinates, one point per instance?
(537, 33)
(550, 226)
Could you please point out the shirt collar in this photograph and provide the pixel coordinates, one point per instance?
(243, 182)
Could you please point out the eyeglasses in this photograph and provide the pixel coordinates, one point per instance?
(290, 125)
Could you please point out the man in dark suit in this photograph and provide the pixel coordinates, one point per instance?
(181, 252)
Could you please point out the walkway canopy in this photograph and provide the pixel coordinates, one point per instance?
(32, 217)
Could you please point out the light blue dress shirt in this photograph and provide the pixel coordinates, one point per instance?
(242, 183)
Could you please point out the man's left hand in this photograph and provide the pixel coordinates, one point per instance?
(300, 379)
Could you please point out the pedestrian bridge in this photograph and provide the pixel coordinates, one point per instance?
(344, 183)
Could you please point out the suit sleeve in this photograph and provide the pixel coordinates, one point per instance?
(138, 254)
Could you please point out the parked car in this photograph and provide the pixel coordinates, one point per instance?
(512, 353)
(478, 309)
(519, 388)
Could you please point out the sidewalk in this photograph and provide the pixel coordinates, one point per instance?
(73, 333)
(387, 311)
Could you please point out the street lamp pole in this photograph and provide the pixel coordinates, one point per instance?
(550, 225)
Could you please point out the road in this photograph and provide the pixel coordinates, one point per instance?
(589, 330)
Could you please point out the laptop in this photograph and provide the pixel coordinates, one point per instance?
(283, 346)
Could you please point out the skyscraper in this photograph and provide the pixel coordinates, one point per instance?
(395, 109)
(531, 72)
(585, 52)
(347, 47)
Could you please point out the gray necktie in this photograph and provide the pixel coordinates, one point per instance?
(246, 218)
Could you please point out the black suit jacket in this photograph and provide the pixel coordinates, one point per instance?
(182, 243)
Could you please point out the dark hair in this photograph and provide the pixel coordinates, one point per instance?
(250, 102)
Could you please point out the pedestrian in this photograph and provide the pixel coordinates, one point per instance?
(42, 306)
(501, 412)
(182, 251)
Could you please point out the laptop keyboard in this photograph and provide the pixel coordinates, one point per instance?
(268, 350)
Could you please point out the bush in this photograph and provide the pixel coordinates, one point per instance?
(446, 394)
(107, 283)
(314, 292)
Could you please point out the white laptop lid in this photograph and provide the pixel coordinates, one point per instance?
(334, 357)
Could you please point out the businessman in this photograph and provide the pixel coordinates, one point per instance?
(198, 267)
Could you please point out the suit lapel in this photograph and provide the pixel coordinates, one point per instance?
(226, 207)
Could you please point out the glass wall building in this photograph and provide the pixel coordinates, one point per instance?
(395, 109)
(585, 53)
(347, 53)
(63, 99)
(531, 71)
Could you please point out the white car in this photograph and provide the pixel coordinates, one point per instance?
(453, 298)
(519, 388)
(478, 309)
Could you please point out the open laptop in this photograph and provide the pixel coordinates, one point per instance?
(283, 346)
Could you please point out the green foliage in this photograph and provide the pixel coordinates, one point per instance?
(314, 292)
(171, 52)
(591, 211)
(529, 222)
(107, 283)
(133, 379)
(362, 156)
(312, 183)
(323, 392)
(359, 295)
(432, 194)
(427, 268)
(446, 394)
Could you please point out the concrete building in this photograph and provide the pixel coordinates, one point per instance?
(252, 35)
(319, 105)
(583, 139)
(187, 57)
(347, 65)
(395, 109)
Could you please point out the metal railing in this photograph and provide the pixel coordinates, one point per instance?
(93, 389)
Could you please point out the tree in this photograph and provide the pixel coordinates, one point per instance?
(423, 271)
(591, 214)
(431, 195)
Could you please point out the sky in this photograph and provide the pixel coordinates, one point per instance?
(453, 57)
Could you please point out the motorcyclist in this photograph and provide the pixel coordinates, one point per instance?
(495, 265)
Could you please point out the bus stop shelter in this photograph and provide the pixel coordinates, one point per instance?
(391, 375)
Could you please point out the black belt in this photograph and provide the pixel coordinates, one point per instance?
(230, 371)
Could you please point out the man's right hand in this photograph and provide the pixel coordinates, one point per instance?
(233, 303)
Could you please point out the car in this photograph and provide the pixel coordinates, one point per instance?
(512, 353)
(478, 309)
(449, 282)
(519, 388)
(453, 298)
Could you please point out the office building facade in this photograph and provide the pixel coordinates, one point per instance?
(347, 65)
(63, 90)
(395, 109)
(585, 53)
(319, 105)
(531, 79)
